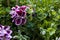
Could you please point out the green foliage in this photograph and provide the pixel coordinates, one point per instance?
(43, 23)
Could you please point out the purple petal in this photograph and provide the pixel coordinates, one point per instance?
(17, 6)
(1, 34)
(19, 12)
(23, 14)
(13, 14)
(6, 27)
(23, 21)
(9, 31)
(4, 32)
(13, 20)
(1, 39)
(23, 7)
(13, 8)
(5, 35)
(7, 38)
(18, 21)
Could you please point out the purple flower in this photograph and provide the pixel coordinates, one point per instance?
(23, 8)
(13, 14)
(5, 32)
(18, 14)
(18, 21)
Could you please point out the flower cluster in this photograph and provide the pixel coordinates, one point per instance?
(5, 32)
(18, 14)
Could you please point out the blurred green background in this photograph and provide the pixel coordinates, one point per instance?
(42, 24)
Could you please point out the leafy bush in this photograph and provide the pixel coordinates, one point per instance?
(43, 19)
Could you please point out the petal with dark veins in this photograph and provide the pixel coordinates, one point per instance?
(23, 21)
(18, 21)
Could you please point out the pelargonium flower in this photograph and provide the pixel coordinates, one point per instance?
(18, 14)
(5, 32)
